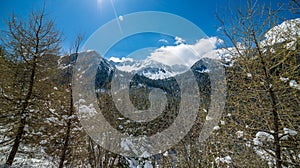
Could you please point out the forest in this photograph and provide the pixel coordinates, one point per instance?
(259, 127)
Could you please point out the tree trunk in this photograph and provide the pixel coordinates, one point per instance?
(91, 152)
(66, 144)
(69, 123)
(274, 103)
(71, 109)
(276, 129)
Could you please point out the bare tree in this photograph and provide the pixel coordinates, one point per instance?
(26, 42)
(294, 6)
(71, 106)
(264, 105)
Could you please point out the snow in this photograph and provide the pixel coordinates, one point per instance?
(26, 128)
(89, 51)
(43, 142)
(138, 147)
(284, 79)
(222, 122)
(38, 159)
(216, 128)
(172, 60)
(145, 154)
(249, 75)
(123, 59)
(148, 164)
(208, 118)
(125, 145)
(227, 54)
(239, 134)
(150, 68)
(226, 159)
(87, 111)
(290, 131)
(294, 84)
(51, 119)
(203, 71)
(133, 163)
(159, 75)
(81, 100)
(34, 163)
(286, 133)
(261, 137)
(286, 31)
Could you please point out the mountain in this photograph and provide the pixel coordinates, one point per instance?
(149, 68)
(287, 31)
(147, 71)
(138, 81)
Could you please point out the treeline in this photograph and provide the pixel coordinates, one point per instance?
(259, 127)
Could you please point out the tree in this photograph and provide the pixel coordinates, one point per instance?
(71, 106)
(26, 42)
(294, 6)
(263, 104)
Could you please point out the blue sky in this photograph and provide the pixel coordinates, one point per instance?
(86, 16)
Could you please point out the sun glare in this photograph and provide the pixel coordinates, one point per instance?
(99, 4)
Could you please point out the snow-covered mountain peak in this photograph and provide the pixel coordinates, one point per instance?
(149, 68)
(288, 30)
(168, 61)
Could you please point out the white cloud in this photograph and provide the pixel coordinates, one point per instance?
(179, 40)
(185, 54)
(163, 41)
(127, 68)
(123, 59)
